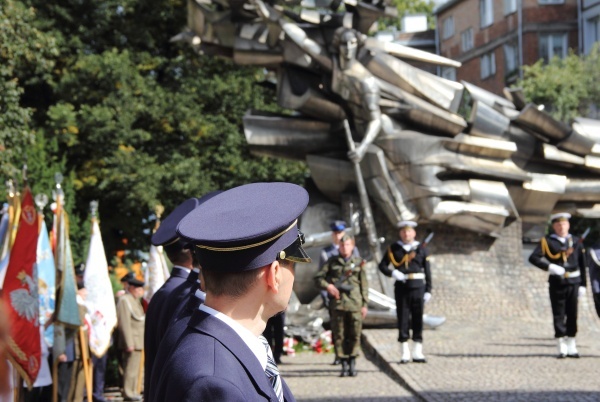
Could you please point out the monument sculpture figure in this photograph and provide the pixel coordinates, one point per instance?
(428, 149)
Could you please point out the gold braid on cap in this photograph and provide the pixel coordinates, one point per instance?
(171, 242)
(250, 245)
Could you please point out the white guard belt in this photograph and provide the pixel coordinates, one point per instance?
(418, 276)
(573, 274)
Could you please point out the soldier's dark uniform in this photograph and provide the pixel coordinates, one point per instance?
(563, 289)
(593, 262)
(414, 264)
(346, 320)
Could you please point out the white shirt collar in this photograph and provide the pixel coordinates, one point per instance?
(251, 340)
(560, 239)
(409, 246)
(184, 268)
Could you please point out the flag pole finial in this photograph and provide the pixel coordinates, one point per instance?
(94, 208)
(41, 200)
(159, 209)
(58, 193)
(10, 187)
(24, 173)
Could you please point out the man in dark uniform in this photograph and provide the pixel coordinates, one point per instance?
(344, 278)
(562, 255)
(248, 240)
(412, 289)
(166, 298)
(168, 302)
(593, 260)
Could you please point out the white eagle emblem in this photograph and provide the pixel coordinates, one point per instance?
(25, 301)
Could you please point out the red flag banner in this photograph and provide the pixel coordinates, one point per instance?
(20, 295)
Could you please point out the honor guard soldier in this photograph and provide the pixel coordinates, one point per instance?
(248, 241)
(338, 229)
(562, 255)
(344, 278)
(410, 270)
(593, 260)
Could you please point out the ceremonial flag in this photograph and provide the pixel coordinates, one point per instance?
(46, 281)
(4, 255)
(157, 272)
(100, 298)
(67, 310)
(21, 295)
(12, 215)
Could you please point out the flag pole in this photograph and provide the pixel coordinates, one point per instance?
(86, 364)
(57, 195)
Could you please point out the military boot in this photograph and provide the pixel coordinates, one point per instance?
(562, 348)
(344, 371)
(352, 370)
(572, 348)
(418, 356)
(405, 353)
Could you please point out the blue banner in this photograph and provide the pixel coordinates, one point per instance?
(46, 282)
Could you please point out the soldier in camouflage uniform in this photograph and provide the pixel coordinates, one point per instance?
(345, 280)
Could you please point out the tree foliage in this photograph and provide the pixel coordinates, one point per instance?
(566, 87)
(26, 56)
(130, 118)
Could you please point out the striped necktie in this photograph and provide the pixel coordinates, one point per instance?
(272, 371)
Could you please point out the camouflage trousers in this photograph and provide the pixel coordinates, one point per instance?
(346, 327)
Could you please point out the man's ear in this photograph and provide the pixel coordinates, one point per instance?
(272, 275)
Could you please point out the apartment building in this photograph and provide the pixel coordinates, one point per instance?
(493, 38)
(589, 24)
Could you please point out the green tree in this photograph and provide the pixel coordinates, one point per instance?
(26, 56)
(566, 87)
(133, 120)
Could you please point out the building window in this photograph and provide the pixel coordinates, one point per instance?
(510, 6)
(486, 13)
(551, 1)
(488, 65)
(449, 73)
(466, 39)
(511, 57)
(591, 33)
(448, 27)
(553, 45)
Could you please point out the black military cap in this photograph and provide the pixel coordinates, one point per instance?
(248, 227)
(135, 282)
(127, 277)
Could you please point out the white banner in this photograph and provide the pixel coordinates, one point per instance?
(157, 272)
(100, 300)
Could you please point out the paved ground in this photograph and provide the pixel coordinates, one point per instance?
(484, 360)
(496, 345)
(312, 378)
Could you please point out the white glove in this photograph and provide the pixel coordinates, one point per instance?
(582, 291)
(556, 270)
(427, 297)
(397, 275)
